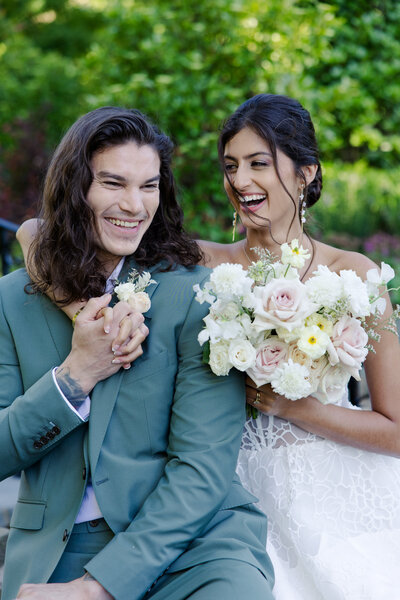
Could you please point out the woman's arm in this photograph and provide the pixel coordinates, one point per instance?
(376, 430)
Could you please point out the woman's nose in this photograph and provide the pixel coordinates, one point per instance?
(241, 179)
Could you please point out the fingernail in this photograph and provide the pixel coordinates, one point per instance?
(106, 330)
(127, 366)
(115, 348)
(117, 353)
(115, 361)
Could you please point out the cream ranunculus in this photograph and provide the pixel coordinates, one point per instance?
(241, 354)
(270, 353)
(281, 303)
(219, 360)
(298, 356)
(139, 301)
(313, 341)
(349, 341)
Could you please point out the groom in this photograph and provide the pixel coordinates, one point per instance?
(128, 486)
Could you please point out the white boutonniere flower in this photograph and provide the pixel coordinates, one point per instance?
(132, 291)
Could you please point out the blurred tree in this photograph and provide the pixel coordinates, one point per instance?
(189, 65)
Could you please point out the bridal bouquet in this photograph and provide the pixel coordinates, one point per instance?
(302, 338)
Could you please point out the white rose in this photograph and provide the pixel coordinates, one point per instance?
(124, 291)
(332, 385)
(356, 293)
(270, 353)
(281, 303)
(241, 354)
(139, 301)
(219, 361)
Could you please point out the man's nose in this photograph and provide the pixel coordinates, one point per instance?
(131, 201)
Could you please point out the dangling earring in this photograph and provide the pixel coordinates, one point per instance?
(234, 225)
(302, 206)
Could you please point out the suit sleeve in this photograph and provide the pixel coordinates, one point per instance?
(32, 420)
(205, 432)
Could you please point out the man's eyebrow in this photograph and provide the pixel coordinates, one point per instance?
(121, 178)
(248, 155)
(111, 175)
(155, 178)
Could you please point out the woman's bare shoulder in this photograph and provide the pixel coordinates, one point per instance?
(216, 253)
(338, 259)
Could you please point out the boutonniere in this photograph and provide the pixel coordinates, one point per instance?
(132, 291)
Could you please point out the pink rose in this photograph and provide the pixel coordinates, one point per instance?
(348, 345)
(281, 303)
(269, 354)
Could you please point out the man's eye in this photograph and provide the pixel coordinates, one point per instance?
(152, 186)
(112, 183)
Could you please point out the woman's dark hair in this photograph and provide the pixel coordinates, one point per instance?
(63, 254)
(285, 125)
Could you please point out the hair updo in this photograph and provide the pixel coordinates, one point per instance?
(285, 125)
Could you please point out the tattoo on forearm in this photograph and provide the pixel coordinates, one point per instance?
(69, 387)
(87, 577)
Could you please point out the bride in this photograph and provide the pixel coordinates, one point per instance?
(321, 472)
(327, 476)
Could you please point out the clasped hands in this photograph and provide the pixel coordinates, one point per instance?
(83, 588)
(104, 340)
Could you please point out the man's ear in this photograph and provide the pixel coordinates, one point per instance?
(309, 172)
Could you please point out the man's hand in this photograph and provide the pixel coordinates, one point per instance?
(84, 588)
(93, 355)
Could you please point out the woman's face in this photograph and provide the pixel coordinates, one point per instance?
(250, 168)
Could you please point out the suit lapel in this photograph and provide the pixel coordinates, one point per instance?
(59, 326)
(105, 393)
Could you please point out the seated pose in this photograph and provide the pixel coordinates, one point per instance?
(331, 496)
(128, 486)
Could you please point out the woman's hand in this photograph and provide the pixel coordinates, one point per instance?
(265, 399)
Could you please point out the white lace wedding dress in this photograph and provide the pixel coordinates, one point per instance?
(333, 510)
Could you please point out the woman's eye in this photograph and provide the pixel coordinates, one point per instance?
(259, 163)
(230, 167)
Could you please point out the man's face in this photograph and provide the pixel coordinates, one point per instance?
(124, 196)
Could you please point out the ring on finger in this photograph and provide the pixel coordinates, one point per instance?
(257, 399)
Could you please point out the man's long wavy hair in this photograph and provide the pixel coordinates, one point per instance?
(64, 254)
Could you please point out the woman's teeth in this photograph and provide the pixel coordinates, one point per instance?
(128, 224)
(253, 199)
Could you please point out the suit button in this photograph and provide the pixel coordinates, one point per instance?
(94, 523)
(56, 430)
(37, 444)
(50, 435)
(44, 440)
(65, 535)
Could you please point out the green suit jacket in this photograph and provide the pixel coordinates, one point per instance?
(161, 445)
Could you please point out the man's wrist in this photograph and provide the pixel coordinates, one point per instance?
(75, 385)
(95, 589)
